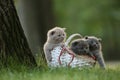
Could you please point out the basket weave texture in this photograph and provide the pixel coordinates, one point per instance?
(78, 61)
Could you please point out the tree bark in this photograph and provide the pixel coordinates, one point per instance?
(13, 42)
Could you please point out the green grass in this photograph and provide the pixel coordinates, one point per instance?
(23, 73)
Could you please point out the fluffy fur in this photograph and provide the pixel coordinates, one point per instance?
(80, 47)
(55, 37)
(96, 49)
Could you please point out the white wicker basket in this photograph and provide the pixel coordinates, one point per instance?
(78, 61)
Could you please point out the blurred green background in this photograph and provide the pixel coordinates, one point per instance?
(100, 18)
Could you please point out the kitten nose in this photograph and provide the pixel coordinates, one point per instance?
(94, 44)
(85, 51)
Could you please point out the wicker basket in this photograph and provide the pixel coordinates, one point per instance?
(67, 59)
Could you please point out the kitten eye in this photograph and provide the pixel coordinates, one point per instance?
(96, 43)
(63, 34)
(59, 35)
(92, 42)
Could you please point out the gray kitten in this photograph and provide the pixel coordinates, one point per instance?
(96, 49)
(55, 37)
(80, 47)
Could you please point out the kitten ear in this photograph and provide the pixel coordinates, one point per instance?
(99, 39)
(86, 37)
(64, 29)
(52, 32)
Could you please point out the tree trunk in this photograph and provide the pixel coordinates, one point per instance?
(13, 43)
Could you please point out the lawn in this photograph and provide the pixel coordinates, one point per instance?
(23, 73)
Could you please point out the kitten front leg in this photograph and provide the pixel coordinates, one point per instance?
(91, 54)
(100, 60)
(48, 55)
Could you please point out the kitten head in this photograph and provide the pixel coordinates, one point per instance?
(56, 35)
(80, 47)
(94, 42)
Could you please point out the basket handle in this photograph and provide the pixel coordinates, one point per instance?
(71, 37)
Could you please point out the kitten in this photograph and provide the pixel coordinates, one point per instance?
(66, 47)
(80, 47)
(96, 49)
(55, 37)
